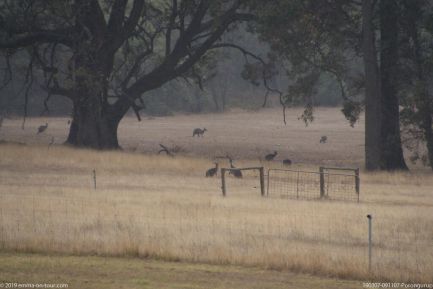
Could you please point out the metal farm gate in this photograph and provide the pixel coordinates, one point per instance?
(325, 184)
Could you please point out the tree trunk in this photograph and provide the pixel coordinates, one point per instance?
(424, 105)
(428, 134)
(424, 102)
(392, 154)
(93, 126)
(214, 93)
(373, 149)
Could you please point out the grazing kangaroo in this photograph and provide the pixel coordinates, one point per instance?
(323, 139)
(42, 128)
(287, 162)
(213, 171)
(235, 173)
(198, 132)
(270, 157)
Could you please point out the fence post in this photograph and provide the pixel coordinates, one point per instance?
(267, 183)
(262, 181)
(357, 182)
(94, 178)
(322, 182)
(223, 181)
(370, 217)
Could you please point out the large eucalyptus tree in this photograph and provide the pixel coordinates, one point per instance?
(336, 37)
(104, 54)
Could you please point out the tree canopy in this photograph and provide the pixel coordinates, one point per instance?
(103, 55)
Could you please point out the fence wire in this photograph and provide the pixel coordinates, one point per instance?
(95, 224)
(201, 231)
(313, 185)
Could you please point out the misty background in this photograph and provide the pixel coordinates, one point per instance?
(223, 85)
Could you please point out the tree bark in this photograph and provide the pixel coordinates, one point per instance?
(425, 103)
(93, 126)
(427, 126)
(392, 154)
(373, 148)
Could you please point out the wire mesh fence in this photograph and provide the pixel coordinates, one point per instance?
(309, 239)
(324, 237)
(314, 185)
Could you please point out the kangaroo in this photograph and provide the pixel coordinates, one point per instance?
(270, 157)
(42, 128)
(213, 171)
(198, 132)
(235, 173)
(323, 139)
(287, 162)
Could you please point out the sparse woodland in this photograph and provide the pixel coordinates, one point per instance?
(119, 119)
(104, 56)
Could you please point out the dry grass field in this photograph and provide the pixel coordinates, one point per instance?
(243, 134)
(97, 272)
(150, 205)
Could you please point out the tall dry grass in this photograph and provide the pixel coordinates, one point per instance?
(147, 205)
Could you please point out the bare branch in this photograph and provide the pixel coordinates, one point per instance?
(173, 16)
(37, 37)
(264, 78)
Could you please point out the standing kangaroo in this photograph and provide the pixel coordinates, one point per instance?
(270, 157)
(198, 132)
(213, 171)
(235, 173)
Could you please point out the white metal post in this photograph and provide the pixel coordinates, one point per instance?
(370, 218)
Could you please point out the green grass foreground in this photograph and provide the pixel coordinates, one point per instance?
(109, 272)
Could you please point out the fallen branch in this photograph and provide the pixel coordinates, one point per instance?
(166, 150)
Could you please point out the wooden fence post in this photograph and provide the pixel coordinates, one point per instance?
(262, 181)
(357, 181)
(223, 181)
(94, 179)
(322, 182)
(267, 182)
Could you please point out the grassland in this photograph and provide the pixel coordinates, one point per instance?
(148, 205)
(113, 273)
(243, 134)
